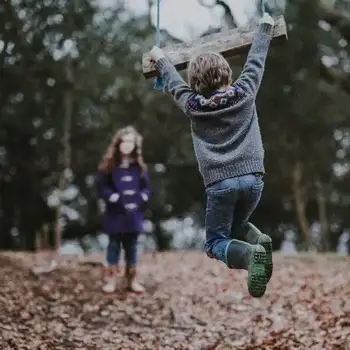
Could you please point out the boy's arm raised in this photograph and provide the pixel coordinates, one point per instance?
(178, 88)
(253, 70)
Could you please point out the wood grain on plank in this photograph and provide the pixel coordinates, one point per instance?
(229, 43)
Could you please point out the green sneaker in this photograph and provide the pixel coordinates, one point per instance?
(257, 279)
(255, 236)
(266, 242)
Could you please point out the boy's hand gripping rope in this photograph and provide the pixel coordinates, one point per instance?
(159, 82)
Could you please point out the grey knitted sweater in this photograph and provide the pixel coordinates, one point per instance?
(225, 129)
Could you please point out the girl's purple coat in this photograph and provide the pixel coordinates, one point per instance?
(129, 183)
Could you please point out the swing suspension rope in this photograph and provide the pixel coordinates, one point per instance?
(262, 7)
(159, 82)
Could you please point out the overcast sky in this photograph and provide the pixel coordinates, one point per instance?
(187, 19)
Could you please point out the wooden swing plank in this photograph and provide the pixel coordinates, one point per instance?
(229, 43)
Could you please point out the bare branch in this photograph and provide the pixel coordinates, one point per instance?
(228, 16)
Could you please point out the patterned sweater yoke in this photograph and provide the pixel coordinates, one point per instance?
(224, 126)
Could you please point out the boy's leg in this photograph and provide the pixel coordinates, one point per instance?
(252, 186)
(221, 205)
(112, 269)
(218, 222)
(130, 247)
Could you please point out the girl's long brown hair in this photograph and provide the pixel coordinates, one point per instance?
(112, 156)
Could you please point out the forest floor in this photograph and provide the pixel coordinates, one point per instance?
(191, 302)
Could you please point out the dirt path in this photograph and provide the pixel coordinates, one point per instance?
(192, 302)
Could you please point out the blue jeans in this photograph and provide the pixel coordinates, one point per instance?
(129, 243)
(230, 204)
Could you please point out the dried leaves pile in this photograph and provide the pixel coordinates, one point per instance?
(192, 302)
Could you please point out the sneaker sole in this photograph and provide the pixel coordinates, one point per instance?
(266, 242)
(257, 279)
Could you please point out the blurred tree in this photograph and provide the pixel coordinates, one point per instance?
(302, 104)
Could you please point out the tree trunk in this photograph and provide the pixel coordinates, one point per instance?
(42, 238)
(300, 201)
(163, 241)
(66, 151)
(322, 214)
(38, 241)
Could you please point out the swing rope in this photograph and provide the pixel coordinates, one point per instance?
(262, 7)
(159, 82)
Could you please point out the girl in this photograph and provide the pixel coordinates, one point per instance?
(123, 184)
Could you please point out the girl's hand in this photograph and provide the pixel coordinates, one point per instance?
(114, 198)
(144, 197)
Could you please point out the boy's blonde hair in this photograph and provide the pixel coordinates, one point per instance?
(208, 72)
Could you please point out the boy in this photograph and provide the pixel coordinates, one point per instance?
(229, 151)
